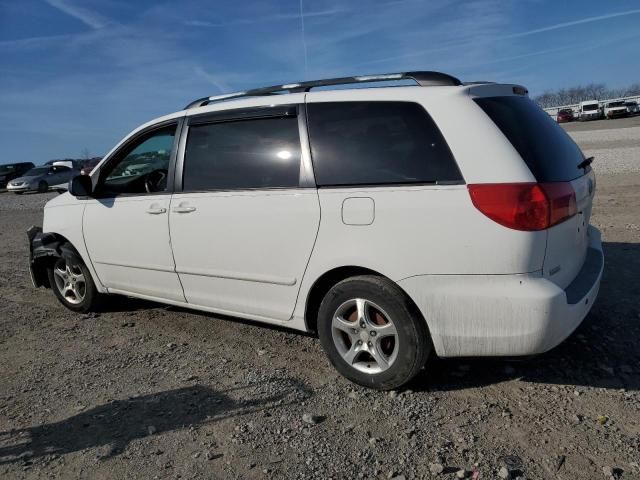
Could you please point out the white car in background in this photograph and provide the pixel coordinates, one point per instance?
(632, 107)
(442, 218)
(615, 109)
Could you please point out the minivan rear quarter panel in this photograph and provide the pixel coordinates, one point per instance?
(430, 229)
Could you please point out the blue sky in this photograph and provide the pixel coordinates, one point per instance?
(80, 74)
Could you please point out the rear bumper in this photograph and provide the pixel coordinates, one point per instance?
(505, 315)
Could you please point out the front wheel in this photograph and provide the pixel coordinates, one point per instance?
(72, 285)
(372, 333)
(43, 187)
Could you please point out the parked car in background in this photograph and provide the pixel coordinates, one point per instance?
(88, 166)
(615, 109)
(590, 110)
(632, 107)
(13, 170)
(564, 115)
(281, 205)
(41, 179)
(64, 163)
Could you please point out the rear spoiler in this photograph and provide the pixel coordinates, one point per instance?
(496, 90)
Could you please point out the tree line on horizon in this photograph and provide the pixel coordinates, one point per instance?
(581, 93)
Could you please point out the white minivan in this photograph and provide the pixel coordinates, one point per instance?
(396, 222)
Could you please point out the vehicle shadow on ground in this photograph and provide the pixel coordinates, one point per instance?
(603, 352)
(115, 424)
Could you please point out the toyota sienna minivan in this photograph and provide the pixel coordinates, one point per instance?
(445, 218)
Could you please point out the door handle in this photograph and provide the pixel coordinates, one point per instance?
(184, 209)
(156, 211)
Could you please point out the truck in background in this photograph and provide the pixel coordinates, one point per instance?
(589, 110)
(615, 109)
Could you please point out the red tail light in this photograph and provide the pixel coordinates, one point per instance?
(525, 206)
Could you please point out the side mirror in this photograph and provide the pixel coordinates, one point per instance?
(80, 186)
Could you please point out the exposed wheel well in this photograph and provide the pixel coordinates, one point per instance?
(323, 284)
(53, 246)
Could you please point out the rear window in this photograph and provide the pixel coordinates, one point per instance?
(377, 143)
(550, 154)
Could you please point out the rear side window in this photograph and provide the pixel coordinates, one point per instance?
(377, 143)
(550, 154)
(244, 154)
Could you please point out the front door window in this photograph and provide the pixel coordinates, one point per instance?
(142, 168)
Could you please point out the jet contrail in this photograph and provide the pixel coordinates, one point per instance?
(304, 40)
(572, 23)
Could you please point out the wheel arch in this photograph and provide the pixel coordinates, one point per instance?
(328, 279)
(46, 248)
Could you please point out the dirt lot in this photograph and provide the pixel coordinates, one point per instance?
(147, 391)
(615, 123)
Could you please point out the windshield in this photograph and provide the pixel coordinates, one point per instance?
(615, 104)
(589, 108)
(36, 171)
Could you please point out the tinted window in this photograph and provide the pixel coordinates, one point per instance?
(550, 154)
(376, 143)
(258, 153)
(142, 167)
(37, 171)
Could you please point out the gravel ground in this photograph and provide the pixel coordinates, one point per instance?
(615, 150)
(148, 391)
(616, 123)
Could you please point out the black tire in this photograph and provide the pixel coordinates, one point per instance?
(412, 335)
(43, 186)
(18, 193)
(90, 297)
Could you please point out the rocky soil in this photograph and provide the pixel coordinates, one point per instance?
(148, 391)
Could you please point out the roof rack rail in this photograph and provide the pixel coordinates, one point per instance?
(478, 82)
(424, 79)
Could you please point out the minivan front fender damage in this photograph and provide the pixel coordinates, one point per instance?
(44, 249)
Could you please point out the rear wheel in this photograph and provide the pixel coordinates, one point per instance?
(371, 332)
(72, 285)
(43, 186)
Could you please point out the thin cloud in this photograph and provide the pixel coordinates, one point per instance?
(455, 44)
(85, 16)
(287, 16)
(263, 19)
(33, 42)
(304, 39)
(572, 23)
(212, 79)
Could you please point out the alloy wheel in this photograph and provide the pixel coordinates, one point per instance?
(70, 281)
(365, 336)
